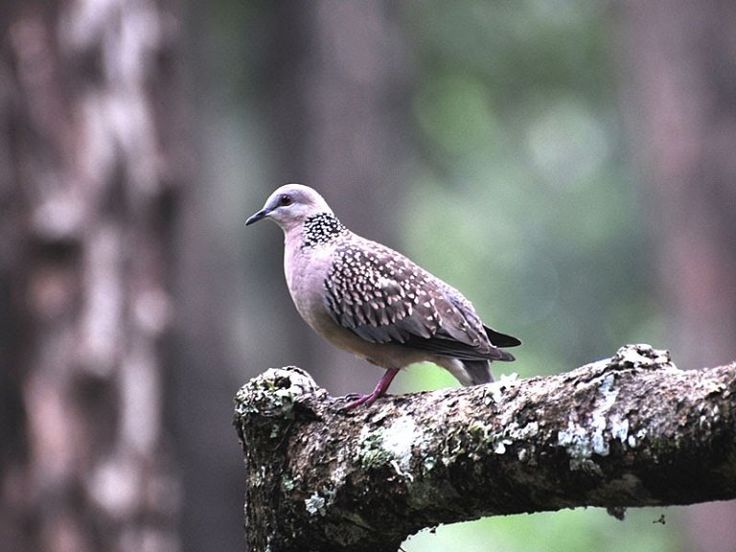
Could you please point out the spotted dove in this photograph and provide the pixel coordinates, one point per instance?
(370, 300)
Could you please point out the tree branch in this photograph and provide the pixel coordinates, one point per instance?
(632, 430)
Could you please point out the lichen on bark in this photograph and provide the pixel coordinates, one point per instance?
(632, 430)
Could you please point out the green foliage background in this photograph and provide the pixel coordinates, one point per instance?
(522, 197)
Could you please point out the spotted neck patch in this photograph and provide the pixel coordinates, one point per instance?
(322, 228)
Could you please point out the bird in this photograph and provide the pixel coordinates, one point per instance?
(368, 299)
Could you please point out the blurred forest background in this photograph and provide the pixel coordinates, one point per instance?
(568, 164)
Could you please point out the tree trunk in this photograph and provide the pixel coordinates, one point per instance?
(680, 92)
(628, 431)
(90, 161)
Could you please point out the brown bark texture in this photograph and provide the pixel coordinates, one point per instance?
(628, 431)
(89, 154)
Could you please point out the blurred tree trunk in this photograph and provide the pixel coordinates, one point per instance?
(680, 95)
(339, 83)
(90, 160)
(208, 279)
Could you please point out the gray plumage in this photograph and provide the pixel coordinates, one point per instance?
(371, 300)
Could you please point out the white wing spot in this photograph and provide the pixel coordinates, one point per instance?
(384, 282)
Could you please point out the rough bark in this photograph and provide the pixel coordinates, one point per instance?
(632, 430)
(90, 150)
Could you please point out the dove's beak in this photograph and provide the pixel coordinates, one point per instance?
(255, 217)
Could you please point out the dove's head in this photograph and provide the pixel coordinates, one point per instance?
(290, 205)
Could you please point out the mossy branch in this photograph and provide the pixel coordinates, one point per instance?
(632, 430)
